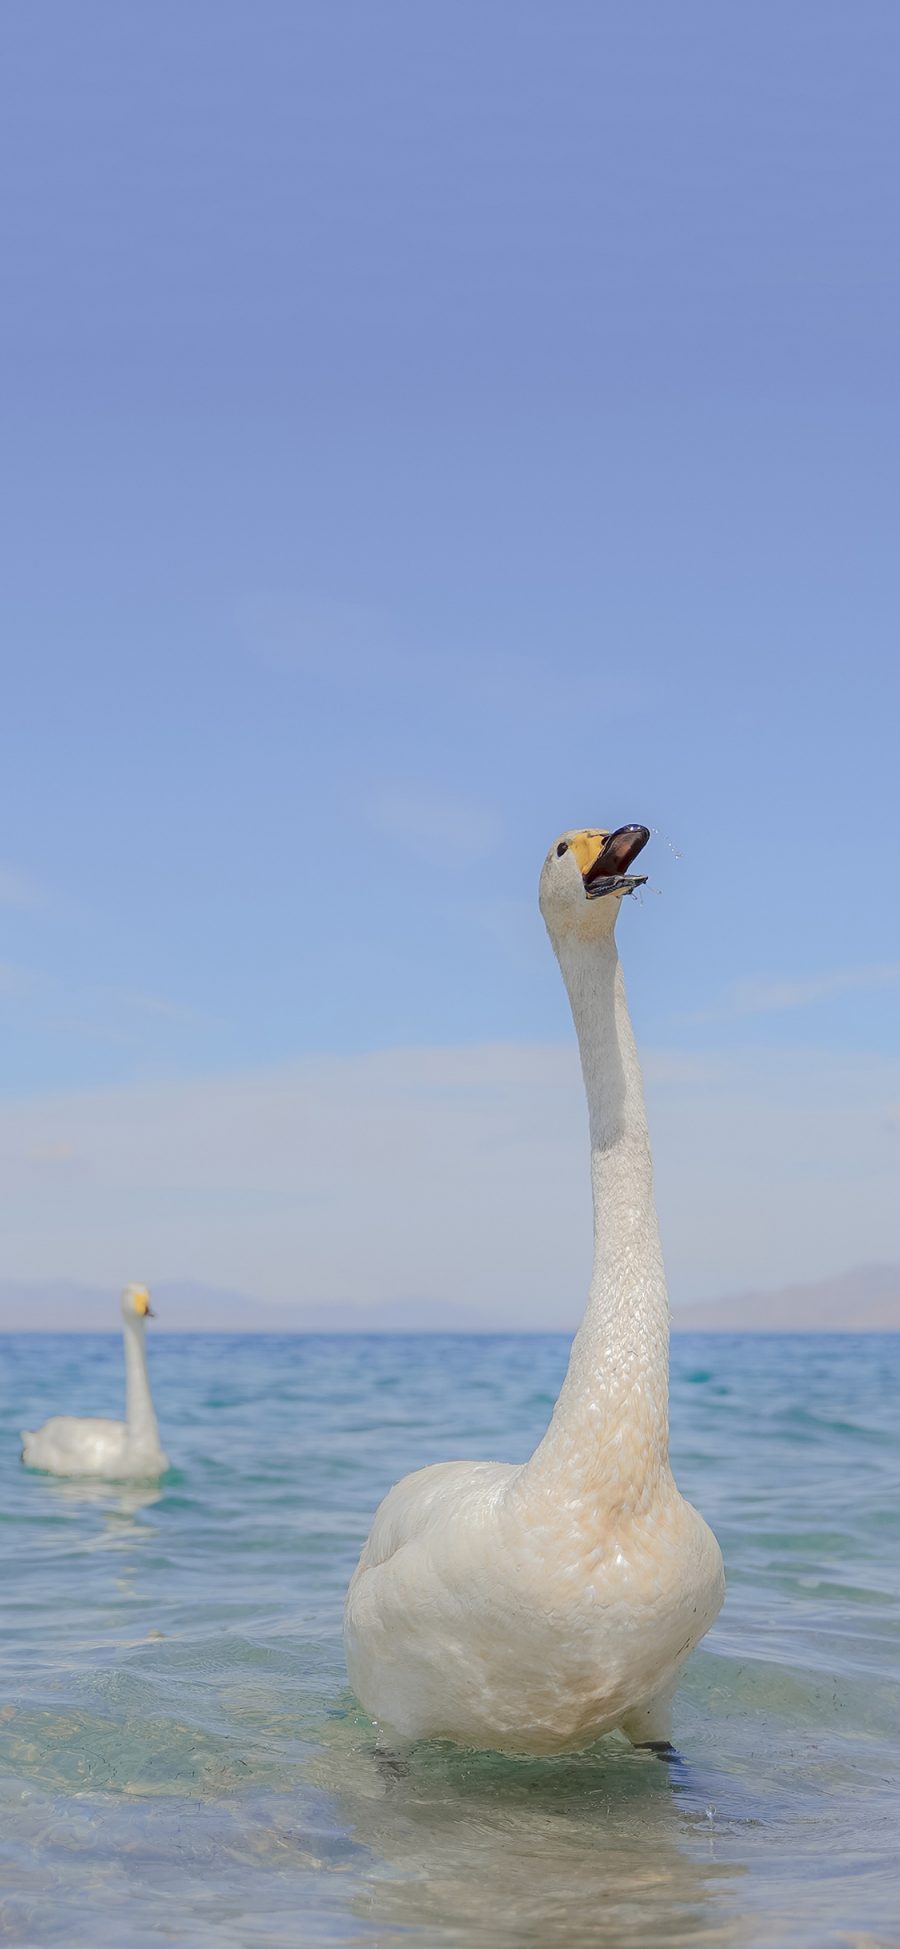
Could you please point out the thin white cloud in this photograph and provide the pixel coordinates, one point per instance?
(759, 997)
(755, 997)
(326, 637)
(52, 1154)
(339, 642)
(159, 1007)
(453, 1176)
(432, 822)
(120, 1017)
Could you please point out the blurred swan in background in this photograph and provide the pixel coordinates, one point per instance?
(116, 1450)
(531, 1609)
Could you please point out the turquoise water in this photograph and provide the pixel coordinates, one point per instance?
(181, 1762)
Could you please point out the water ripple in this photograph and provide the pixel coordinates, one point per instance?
(180, 1758)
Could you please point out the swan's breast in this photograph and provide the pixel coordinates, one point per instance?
(628, 1577)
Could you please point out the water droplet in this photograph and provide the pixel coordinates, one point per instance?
(674, 850)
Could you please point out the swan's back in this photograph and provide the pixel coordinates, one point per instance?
(75, 1445)
(425, 1500)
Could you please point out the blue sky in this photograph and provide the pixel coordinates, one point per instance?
(428, 429)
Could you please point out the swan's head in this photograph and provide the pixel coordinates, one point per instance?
(580, 870)
(136, 1303)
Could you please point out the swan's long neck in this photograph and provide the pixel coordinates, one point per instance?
(140, 1418)
(608, 1439)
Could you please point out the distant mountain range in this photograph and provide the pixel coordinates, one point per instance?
(184, 1306)
(865, 1300)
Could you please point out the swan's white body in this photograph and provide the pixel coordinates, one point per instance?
(531, 1609)
(118, 1451)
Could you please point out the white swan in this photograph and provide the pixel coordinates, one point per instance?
(117, 1450)
(531, 1609)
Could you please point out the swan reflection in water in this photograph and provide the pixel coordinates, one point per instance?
(603, 1847)
(120, 1505)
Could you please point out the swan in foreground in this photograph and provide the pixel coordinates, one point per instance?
(115, 1450)
(530, 1609)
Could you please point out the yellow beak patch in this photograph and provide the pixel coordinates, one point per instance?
(586, 846)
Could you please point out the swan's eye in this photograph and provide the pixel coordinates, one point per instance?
(563, 847)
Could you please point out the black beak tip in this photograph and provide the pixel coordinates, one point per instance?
(617, 853)
(638, 835)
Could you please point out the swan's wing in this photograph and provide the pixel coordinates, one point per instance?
(74, 1441)
(425, 1499)
(432, 1542)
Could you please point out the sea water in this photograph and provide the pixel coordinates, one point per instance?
(181, 1760)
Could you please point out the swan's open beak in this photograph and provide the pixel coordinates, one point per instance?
(608, 873)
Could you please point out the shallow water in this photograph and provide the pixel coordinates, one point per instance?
(180, 1760)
